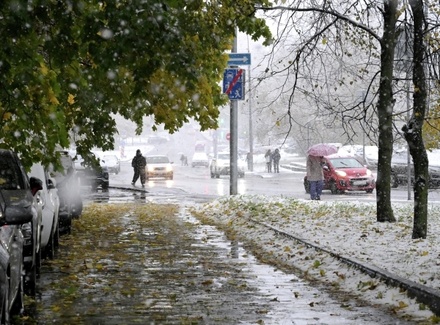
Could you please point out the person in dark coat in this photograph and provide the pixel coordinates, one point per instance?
(276, 156)
(139, 164)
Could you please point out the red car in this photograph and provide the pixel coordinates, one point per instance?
(345, 173)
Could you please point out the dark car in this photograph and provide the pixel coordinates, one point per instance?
(345, 173)
(15, 210)
(17, 189)
(399, 169)
(69, 192)
(92, 174)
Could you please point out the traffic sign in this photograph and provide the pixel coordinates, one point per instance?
(239, 59)
(233, 83)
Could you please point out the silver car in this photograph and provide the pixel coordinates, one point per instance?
(16, 209)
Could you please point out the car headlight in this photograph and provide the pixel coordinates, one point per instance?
(369, 173)
(169, 168)
(341, 173)
(150, 168)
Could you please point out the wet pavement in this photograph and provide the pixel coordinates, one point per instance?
(143, 263)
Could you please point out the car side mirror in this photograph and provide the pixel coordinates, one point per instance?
(51, 183)
(36, 184)
(16, 215)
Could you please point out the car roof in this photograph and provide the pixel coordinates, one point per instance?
(337, 155)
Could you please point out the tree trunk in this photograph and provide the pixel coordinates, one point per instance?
(413, 129)
(385, 112)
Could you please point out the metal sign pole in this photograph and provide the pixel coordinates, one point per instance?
(234, 137)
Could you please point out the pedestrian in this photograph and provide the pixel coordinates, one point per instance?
(276, 156)
(182, 159)
(249, 160)
(315, 176)
(139, 164)
(268, 157)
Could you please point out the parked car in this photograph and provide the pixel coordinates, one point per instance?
(49, 204)
(93, 175)
(200, 159)
(112, 162)
(220, 165)
(367, 155)
(69, 192)
(159, 166)
(399, 168)
(16, 208)
(18, 189)
(345, 173)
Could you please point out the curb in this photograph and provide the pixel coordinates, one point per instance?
(423, 294)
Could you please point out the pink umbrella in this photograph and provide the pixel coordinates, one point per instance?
(322, 149)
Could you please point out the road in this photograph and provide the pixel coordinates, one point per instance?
(287, 183)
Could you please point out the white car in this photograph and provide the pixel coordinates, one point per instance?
(200, 159)
(159, 166)
(112, 162)
(49, 203)
(220, 165)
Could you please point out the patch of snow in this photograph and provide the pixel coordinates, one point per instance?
(349, 229)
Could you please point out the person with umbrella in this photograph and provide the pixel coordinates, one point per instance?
(315, 176)
(315, 162)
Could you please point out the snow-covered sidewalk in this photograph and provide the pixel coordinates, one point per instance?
(345, 228)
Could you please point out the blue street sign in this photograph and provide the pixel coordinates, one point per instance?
(233, 83)
(239, 59)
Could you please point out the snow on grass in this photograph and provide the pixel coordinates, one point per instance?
(348, 229)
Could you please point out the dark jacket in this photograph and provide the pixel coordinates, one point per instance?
(276, 156)
(138, 161)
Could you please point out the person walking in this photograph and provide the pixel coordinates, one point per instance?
(249, 160)
(276, 156)
(315, 176)
(139, 163)
(268, 157)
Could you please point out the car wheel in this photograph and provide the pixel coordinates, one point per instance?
(68, 226)
(30, 281)
(217, 176)
(212, 175)
(333, 188)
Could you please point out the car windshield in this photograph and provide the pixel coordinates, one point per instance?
(157, 160)
(110, 159)
(345, 163)
(223, 156)
(9, 172)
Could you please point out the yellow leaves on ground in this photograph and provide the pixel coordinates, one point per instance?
(71, 99)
